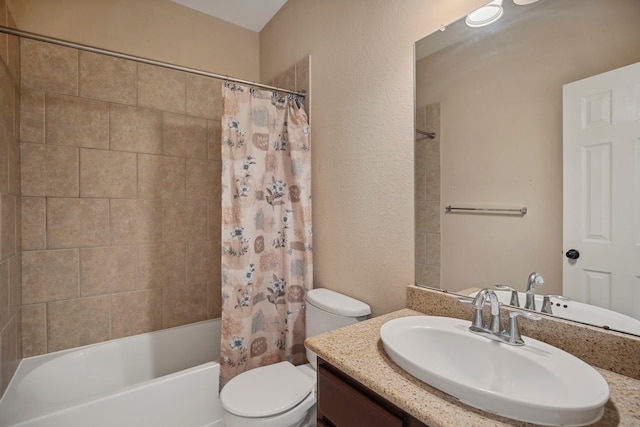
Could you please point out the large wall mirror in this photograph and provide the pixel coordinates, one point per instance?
(489, 136)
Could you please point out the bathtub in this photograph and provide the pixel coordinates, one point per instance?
(166, 378)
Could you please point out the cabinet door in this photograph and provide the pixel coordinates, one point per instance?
(342, 405)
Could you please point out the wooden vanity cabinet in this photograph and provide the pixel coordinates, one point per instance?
(343, 402)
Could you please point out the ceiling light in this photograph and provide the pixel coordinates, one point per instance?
(523, 2)
(486, 15)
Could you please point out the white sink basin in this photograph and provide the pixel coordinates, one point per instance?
(536, 383)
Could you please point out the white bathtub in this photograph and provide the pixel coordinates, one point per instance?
(167, 378)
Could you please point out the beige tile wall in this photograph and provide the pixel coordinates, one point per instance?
(120, 197)
(10, 204)
(427, 196)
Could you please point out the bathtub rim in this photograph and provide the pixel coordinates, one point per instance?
(122, 392)
(29, 364)
(33, 362)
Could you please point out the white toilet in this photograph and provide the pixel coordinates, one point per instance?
(283, 395)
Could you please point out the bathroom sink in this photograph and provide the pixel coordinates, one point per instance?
(536, 383)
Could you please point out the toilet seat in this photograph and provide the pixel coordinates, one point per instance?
(266, 391)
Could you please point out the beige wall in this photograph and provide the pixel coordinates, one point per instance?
(10, 249)
(154, 29)
(502, 134)
(121, 197)
(362, 120)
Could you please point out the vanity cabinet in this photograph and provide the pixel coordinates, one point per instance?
(343, 402)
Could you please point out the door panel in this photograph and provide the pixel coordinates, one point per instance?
(601, 126)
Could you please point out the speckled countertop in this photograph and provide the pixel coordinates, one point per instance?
(357, 351)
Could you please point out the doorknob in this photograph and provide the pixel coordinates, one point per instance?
(572, 254)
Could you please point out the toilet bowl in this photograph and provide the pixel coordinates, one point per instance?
(281, 394)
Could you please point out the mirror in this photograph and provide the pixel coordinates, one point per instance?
(489, 136)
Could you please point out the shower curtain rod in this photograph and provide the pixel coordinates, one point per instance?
(60, 42)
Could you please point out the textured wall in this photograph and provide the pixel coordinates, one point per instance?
(121, 191)
(155, 29)
(362, 119)
(10, 250)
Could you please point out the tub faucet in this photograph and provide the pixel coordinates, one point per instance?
(534, 280)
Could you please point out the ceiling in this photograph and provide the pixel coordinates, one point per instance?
(250, 14)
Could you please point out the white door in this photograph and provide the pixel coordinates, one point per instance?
(601, 121)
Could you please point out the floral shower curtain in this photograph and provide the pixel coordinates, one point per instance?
(266, 229)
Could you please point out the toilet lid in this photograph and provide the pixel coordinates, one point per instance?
(336, 303)
(266, 391)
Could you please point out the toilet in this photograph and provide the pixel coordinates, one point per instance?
(283, 395)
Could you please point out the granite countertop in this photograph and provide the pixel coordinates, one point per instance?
(357, 351)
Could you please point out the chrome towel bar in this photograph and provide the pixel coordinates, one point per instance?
(520, 211)
(430, 135)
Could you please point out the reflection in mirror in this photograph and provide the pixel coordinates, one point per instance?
(492, 99)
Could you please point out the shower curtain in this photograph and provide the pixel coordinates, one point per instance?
(266, 229)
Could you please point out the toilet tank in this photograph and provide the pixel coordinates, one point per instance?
(328, 310)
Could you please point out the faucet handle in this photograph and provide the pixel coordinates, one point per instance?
(547, 305)
(515, 301)
(477, 321)
(513, 331)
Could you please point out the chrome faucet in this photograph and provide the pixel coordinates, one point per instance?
(478, 303)
(511, 334)
(534, 280)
